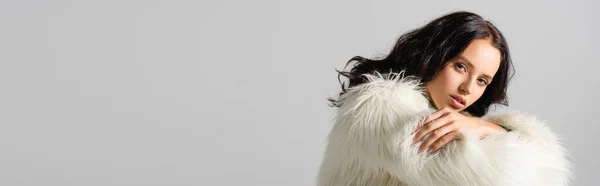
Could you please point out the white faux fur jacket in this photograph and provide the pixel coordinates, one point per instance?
(370, 144)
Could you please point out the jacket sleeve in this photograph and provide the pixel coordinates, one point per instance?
(552, 166)
(374, 126)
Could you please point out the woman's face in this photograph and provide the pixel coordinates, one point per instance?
(462, 82)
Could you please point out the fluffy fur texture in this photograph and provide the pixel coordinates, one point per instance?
(370, 144)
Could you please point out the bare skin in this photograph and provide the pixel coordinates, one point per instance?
(461, 81)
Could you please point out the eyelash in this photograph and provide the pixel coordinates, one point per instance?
(459, 65)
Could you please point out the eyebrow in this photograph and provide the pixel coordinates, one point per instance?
(471, 65)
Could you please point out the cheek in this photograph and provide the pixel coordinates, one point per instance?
(445, 82)
(452, 80)
(441, 86)
(477, 95)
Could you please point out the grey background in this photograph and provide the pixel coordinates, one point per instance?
(234, 93)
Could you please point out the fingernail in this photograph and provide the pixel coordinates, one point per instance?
(430, 151)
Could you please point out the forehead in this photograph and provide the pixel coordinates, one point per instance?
(484, 58)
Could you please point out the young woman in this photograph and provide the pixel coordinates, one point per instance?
(418, 116)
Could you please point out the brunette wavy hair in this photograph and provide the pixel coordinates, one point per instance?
(424, 51)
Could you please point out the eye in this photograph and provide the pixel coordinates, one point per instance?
(461, 66)
(483, 81)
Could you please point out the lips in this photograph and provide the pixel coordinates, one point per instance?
(459, 99)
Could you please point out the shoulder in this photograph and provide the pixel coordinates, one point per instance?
(395, 91)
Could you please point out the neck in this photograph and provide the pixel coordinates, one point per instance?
(431, 103)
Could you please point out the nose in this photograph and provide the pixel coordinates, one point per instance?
(466, 87)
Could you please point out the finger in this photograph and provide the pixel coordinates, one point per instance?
(443, 141)
(420, 124)
(441, 121)
(416, 127)
(435, 115)
(432, 117)
(437, 134)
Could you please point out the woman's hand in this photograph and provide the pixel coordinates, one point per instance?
(446, 125)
